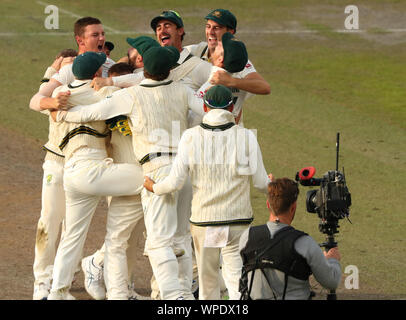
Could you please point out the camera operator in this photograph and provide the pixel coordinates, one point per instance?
(302, 256)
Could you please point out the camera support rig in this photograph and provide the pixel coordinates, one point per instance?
(331, 202)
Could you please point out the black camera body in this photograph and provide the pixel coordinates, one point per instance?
(331, 201)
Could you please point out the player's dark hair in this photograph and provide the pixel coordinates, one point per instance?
(156, 77)
(282, 193)
(82, 23)
(119, 69)
(67, 53)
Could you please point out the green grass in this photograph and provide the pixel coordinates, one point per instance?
(322, 83)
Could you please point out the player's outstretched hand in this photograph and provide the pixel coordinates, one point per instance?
(148, 184)
(98, 83)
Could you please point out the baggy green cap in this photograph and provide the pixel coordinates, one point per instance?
(218, 97)
(223, 17)
(142, 43)
(170, 15)
(158, 60)
(235, 53)
(86, 64)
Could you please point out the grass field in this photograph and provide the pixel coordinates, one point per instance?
(323, 81)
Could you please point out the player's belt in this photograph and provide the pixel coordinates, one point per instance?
(154, 155)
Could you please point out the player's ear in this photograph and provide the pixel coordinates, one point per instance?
(79, 40)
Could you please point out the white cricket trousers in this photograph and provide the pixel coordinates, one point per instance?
(50, 221)
(208, 263)
(124, 213)
(85, 181)
(165, 228)
(182, 240)
(133, 221)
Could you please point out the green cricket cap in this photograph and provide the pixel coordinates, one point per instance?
(223, 17)
(158, 60)
(235, 53)
(142, 43)
(170, 15)
(86, 64)
(218, 97)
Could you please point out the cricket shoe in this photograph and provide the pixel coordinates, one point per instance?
(195, 288)
(94, 281)
(134, 295)
(41, 291)
(61, 294)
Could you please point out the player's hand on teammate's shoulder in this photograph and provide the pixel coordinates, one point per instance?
(57, 63)
(98, 83)
(61, 100)
(66, 61)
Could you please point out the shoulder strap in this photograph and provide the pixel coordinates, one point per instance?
(186, 59)
(181, 70)
(204, 51)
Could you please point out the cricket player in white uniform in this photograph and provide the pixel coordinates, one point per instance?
(157, 109)
(89, 35)
(220, 157)
(97, 268)
(52, 198)
(231, 55)
(243, 83)
(88, 175)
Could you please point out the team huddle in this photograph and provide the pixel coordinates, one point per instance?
(159, 133)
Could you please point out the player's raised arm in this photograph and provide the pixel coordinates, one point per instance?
(253, 82)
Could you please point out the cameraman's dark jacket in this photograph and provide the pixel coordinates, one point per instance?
(326, 272)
